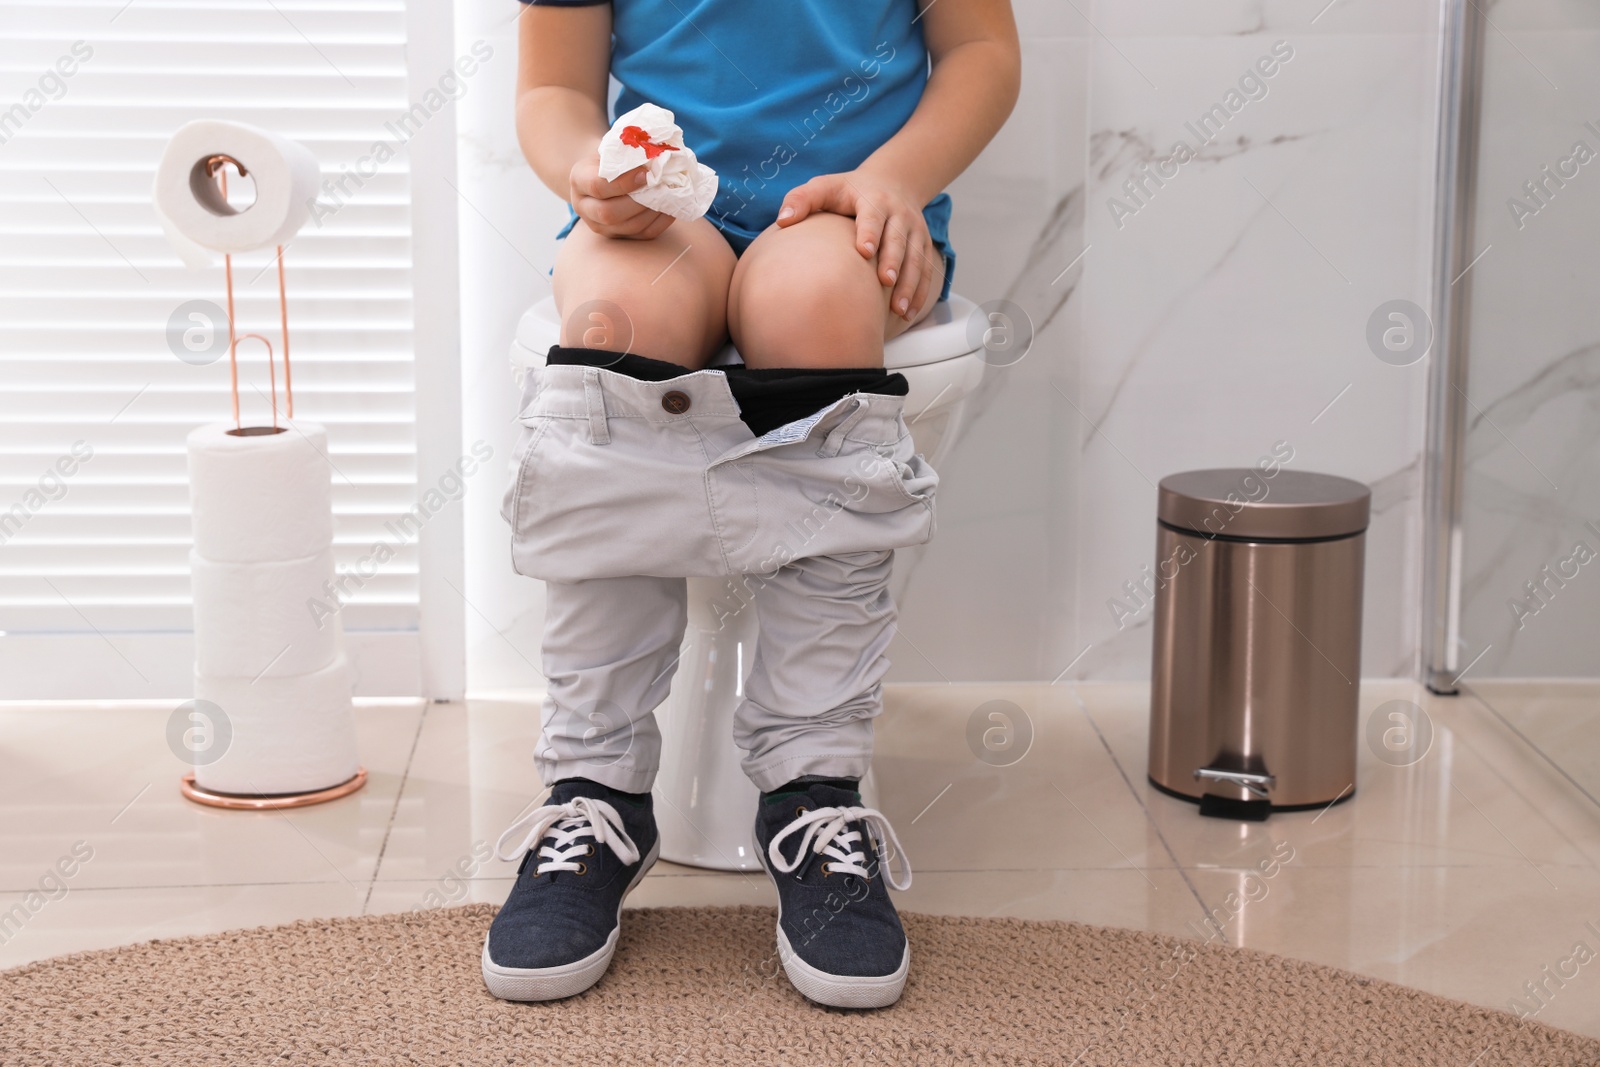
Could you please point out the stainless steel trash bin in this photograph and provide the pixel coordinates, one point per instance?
(1253, 703)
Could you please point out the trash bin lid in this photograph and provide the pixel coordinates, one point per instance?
(1245, 502)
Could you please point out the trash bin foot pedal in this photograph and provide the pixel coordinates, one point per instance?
(1228, 808)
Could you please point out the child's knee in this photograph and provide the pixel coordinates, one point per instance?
(619, 297)
(628, 319)
(811, 300)
(808, 299)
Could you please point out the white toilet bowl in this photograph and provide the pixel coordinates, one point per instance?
(705, 806)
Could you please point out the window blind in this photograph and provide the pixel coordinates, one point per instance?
(98, 381)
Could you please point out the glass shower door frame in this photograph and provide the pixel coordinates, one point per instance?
(1460, 80)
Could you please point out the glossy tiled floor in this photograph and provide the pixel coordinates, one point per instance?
(1465, 873)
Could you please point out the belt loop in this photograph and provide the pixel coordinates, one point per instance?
(599, 432)
(832, 444)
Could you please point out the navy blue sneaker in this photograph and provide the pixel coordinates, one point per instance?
(839, 938)
(582, 853)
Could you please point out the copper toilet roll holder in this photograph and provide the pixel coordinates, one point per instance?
(215, 167)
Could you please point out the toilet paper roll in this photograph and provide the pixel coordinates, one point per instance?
(279, 735)
(260, 497)
(195, 217)
(268, 619)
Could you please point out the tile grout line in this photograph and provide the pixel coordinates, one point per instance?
(1509, 725)
(290, 884)
(1512, 786)
(399, 793)
(707, 872)
(1205, 912)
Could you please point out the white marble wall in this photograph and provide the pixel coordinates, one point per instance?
(1221, 318)
(508, 227)
(1533, 445)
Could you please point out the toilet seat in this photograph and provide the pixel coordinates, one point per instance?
(940, 336)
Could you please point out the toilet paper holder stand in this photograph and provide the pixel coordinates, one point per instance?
(270, 801)
(216, 167)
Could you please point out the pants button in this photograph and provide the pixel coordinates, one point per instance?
(675, 403)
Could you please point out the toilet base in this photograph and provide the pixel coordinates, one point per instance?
(705, 806)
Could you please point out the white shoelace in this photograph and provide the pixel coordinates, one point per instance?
(564, 825)
(825, 834)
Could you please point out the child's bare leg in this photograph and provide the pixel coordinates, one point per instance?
(672, 292)
(802, 296)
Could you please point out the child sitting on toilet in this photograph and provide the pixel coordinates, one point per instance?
(834, 128)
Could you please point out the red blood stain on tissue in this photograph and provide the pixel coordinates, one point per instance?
(638, 137)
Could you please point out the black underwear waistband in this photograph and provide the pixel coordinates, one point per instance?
(767, 398)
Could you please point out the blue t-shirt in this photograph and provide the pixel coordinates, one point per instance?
(770, 95)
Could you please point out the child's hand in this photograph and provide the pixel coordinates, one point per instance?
(889, 224)
(607, 207)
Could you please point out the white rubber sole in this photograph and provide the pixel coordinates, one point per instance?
(569, 979)
(842, 990)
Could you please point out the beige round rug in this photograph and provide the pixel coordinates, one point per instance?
(701, 986)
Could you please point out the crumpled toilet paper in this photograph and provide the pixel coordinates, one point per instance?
(677, 183)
